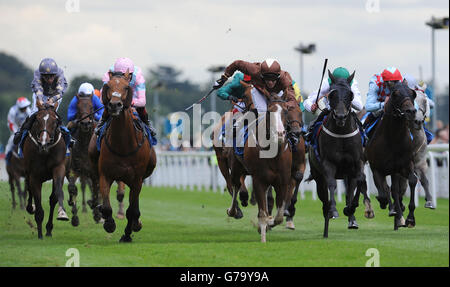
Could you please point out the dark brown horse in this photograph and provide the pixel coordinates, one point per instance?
(390, 151)
(78, 165)
(339, 154)
(44, 159)
(15, 170)
(225, 156)
(125, 154)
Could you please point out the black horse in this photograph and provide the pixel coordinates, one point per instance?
(339, 154)
(390, 151)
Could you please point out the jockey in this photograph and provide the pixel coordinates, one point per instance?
(85, 90)
(268, 78)
(16, 117)
(137, 83)
(234, 91)
(379, 92)
(311, 105)
(48, 86)
(413, 85)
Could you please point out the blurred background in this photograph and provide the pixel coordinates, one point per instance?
(183, 46)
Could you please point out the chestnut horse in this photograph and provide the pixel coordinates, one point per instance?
(390, 151)
(267, 167)
(125, 154)
(44, 157)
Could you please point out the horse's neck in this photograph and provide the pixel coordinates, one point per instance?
(121, 129)
(394, 128)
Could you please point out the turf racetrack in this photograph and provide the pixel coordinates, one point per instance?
(191, 228)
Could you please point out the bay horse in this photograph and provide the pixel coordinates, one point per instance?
(267, 171)
(390, 151)
(225, 156)
(15, 170)
(125, 154)
(339, 154)
(44, 158)
(78, 164)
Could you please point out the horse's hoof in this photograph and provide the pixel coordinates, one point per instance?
(109, 225)
(243, 197)
(252, 201)
(31, 209)
(120, 216)
(400, 222)
(290, 225)
(238, 214)
(231, 212)
(333, 214)
(383, 201)
(353, 225)
(62, 215)
(410, 222)
(429, 204)
(75, 221)
(125, 239)
(136, 227)
(369, 214)
(392, 212)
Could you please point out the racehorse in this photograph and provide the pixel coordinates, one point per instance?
(339, 154)
(271, 170)
(390, 151)
(44, 158)
(125, 154)
(420, 151)
(420, 145)
(78, 165)
(15, 170)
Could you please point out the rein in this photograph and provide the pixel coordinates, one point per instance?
(37, 143)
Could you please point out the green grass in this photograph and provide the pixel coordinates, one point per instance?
(191, 228)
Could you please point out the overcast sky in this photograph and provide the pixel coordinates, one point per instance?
(87, 36)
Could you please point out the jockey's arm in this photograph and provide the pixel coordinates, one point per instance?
(242, 66)
(72, 109)
(357, 102)
(372, 103)
(11, 125)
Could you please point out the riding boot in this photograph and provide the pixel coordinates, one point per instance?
(308, 136)
(102, 122)
(143, 115)
(26, 126)
(67, 137)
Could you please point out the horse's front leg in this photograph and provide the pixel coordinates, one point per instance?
(133, 213)
(105, 185)
(330, 172)
(35, 187)
(73, 192)
(412, 180)
(399, 221)
(120, 195)
(351, 200)
(58, 180)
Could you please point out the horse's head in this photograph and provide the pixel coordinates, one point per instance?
(340, 98)
(424, 110)
(247, 98)
(401, 101)
(85, 108)
(44, 131)
(117, 94)
(277, 109)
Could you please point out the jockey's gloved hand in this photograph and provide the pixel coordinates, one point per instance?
(233, 99)
(219, 83)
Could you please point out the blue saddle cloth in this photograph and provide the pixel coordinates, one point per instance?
(67, 139)
(151, 140)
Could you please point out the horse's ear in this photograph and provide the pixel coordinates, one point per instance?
(332, 78)
(105, 94)
(350, 78)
